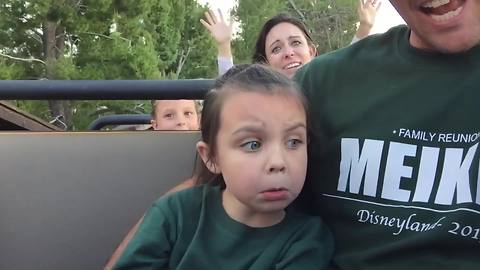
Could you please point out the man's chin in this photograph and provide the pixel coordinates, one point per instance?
(448, 44)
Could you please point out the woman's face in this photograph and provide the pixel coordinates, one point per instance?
(287, 49)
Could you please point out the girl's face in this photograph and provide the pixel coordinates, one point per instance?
(287, 49)
(262, 155)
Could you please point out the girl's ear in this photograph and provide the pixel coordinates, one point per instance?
(204, 151)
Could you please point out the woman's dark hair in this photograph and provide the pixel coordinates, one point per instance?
(259, 55)
(241, 78)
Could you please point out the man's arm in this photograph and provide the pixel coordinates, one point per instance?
(121, 248)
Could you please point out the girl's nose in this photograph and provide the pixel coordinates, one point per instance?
(276, 162)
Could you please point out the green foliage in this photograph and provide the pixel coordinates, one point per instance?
(9, 71)
(102, 40)
(196, 44)
(139, 39)
(331, 22)
(252, 14)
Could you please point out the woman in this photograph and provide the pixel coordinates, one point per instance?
(284, 42)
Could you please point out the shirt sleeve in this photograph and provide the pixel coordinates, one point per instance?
(312, 248)
(151, 246)
(224, 64)
(354, 39)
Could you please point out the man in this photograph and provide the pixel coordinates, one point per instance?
(394, 160)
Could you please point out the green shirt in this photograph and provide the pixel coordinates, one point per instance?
(191, 230)
(394, 158)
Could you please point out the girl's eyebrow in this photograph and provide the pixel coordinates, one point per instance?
(258, 128)
(248, 129)
(296, 126)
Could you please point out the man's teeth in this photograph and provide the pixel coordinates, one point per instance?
(435, 3)
(447, 16)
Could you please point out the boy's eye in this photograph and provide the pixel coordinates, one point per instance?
(294, 143)
(251, 146)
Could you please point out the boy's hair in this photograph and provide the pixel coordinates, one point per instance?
(259, 55)
(198, 107)
(241, 78)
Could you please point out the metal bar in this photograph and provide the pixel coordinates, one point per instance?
(103, 89)
(120, 119)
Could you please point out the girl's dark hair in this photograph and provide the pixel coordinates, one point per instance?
(241, 78)
(259, 55)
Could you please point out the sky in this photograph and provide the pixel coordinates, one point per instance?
(387, 16)
(224, 5)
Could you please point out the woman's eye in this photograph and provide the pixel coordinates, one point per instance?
(276, 50)
(251, 146)
(294, 143)
(296, 43)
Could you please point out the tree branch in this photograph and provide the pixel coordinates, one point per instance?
(297, 10)
(23, 59)
(104, 36)
(182, 60)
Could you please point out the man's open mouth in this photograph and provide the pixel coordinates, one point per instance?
(443, 10)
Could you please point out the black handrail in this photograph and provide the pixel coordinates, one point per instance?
(120, 119)
(104, 89)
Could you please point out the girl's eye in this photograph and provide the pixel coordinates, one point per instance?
(294, 143)
(188, 114)
(251, 146)
(168, 115)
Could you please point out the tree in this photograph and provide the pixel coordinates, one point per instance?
(100, 39)
(331, 22)
(252, 14)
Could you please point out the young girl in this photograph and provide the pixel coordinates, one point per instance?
(254, 138)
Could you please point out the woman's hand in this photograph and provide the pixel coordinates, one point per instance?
(367, 11)
(220, 30)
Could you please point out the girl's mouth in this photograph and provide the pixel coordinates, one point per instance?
(275, 194)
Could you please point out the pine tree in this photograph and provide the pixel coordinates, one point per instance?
(331, 22)
(101, 39)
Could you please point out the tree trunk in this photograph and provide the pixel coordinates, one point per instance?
(53, 45)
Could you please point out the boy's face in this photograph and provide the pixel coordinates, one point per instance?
(175, 115)
(447, 26)
(261, 152)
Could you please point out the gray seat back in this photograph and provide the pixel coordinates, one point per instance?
(68, 199)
